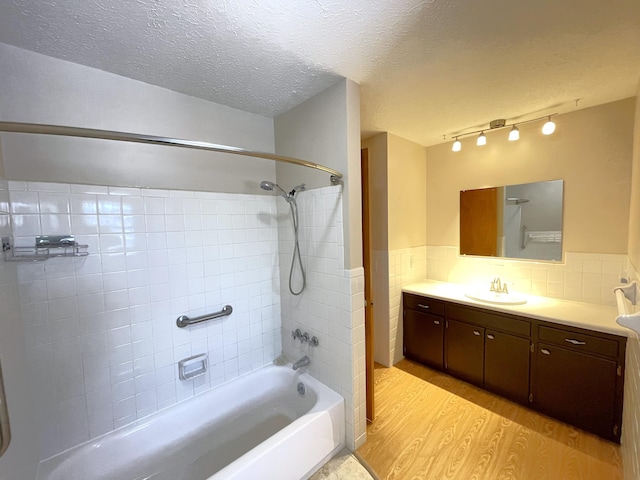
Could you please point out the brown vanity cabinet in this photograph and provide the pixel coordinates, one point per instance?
(579, 379)
(487, 351)
(423, 327)
(465, 351)
(507, 362)
(569, 373)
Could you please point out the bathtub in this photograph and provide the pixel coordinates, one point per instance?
(256, 427)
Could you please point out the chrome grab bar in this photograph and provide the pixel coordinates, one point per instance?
(5, 430)
(184, 321)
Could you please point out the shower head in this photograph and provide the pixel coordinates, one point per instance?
(269, 187)
(266, 185)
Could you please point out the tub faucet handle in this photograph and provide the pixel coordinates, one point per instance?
(296, 334)
(304, 338)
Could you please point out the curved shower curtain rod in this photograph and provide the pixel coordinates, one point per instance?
(16, 127)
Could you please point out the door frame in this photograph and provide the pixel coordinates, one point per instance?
(366, 262)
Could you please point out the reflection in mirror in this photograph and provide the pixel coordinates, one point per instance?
(514, 221)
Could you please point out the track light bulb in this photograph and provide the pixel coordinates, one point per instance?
(457, 145)
(549, 127)
(514, 134)
(482, 139)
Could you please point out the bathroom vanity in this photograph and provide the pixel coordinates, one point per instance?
(564, 359)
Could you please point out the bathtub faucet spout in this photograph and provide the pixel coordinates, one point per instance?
(303, 362)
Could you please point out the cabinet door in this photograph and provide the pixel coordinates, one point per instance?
(577, 388)
(506, 365)
(465, 351)
(423, 338)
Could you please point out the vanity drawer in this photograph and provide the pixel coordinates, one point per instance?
(579, 341)
(423, 304)
(489, 320)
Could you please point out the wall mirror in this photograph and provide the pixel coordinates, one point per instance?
(513, 221)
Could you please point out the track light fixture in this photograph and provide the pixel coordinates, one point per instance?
(549, 127)
(514, 134)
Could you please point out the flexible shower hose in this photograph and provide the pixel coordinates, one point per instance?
(296, 251)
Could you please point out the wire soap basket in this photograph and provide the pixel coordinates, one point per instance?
(46, 246)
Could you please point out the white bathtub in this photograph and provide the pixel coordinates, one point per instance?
(256, 427)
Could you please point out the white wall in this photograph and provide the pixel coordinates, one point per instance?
(20, 460)
(326, 308)
(40, 89)
(326, 130)
(100, 330)
(630, 440)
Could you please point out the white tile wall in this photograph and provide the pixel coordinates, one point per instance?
(5, 208)
(20, 459)
(100, 331)
(630, 442)
(332, 305)
(584, 277)
(392, 270)
(381, 293)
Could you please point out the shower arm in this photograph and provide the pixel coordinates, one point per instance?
(59, 130)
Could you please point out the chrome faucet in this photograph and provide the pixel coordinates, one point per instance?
(498, 287)
(303, 362)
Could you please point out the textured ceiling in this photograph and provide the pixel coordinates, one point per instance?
(427, 67)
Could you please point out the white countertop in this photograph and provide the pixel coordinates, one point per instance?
(600, 318)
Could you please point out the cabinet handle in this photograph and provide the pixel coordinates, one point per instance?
(574, 341)
(437, 322)
(476, 333)
(545, 351)
(423, 306)
(490, 337)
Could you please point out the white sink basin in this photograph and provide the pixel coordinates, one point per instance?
(498, 298)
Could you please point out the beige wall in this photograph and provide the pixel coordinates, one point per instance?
(378, 190)
(379, 224)
(591, 151)
(398, 170)
(407, 194)
(397, 180)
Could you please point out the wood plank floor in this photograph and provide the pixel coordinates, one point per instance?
(432, 426)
